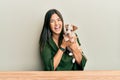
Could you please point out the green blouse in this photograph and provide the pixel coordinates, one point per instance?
(66, 63)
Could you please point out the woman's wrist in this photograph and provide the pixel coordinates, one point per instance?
(62, 49)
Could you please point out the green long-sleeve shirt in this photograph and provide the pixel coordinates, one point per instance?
(66, 63)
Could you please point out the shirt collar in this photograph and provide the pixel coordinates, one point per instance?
(52, 44)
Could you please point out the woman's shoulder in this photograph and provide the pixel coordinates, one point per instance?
(48, 47)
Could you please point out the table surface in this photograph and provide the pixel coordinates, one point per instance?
(60, 75)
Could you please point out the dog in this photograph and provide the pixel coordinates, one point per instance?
(69, 36)
(69, 32)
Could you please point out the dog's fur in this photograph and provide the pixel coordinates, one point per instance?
(69, 32)
(69, 36)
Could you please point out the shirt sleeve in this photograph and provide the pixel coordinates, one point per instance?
(83, 62)
(84, 59)
(47, 58)
(81, 65)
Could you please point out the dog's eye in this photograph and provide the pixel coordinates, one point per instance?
(66, 29)
(71, 30)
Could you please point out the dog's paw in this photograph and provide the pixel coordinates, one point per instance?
(73, 60)
(70, 54)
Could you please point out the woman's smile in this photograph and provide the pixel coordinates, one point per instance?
(57, 28)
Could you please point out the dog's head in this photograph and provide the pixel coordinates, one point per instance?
(69, 29)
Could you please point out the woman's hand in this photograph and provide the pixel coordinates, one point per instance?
(74, 45)
(76, 50)
(65, 43)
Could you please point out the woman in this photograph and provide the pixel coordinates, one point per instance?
(53, 46)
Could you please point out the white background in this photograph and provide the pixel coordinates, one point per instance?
(21, 23)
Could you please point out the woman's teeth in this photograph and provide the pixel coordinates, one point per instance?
(57, 27)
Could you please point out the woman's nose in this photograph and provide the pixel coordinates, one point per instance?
(56, 22)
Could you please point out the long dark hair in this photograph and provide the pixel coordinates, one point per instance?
(46, 33)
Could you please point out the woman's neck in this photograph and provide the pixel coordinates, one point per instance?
(56, 39)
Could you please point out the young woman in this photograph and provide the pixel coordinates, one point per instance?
(53, 49)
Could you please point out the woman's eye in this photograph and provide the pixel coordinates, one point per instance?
(51, 21)
(59, 19)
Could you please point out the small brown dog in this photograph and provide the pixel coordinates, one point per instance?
(69, 36)
(69, 32)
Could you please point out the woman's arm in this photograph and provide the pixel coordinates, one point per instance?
(77, 51)
(50, 61)
(58, 56)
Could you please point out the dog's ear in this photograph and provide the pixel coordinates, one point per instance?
(74, 27)
(66, 25)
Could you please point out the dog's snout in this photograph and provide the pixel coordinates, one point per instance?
(67, 34)
(66, 29)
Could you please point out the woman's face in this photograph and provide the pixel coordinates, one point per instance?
(55, 24)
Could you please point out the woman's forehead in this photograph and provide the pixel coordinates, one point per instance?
(54, 16)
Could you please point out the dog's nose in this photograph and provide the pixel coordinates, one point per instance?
(67, 34)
